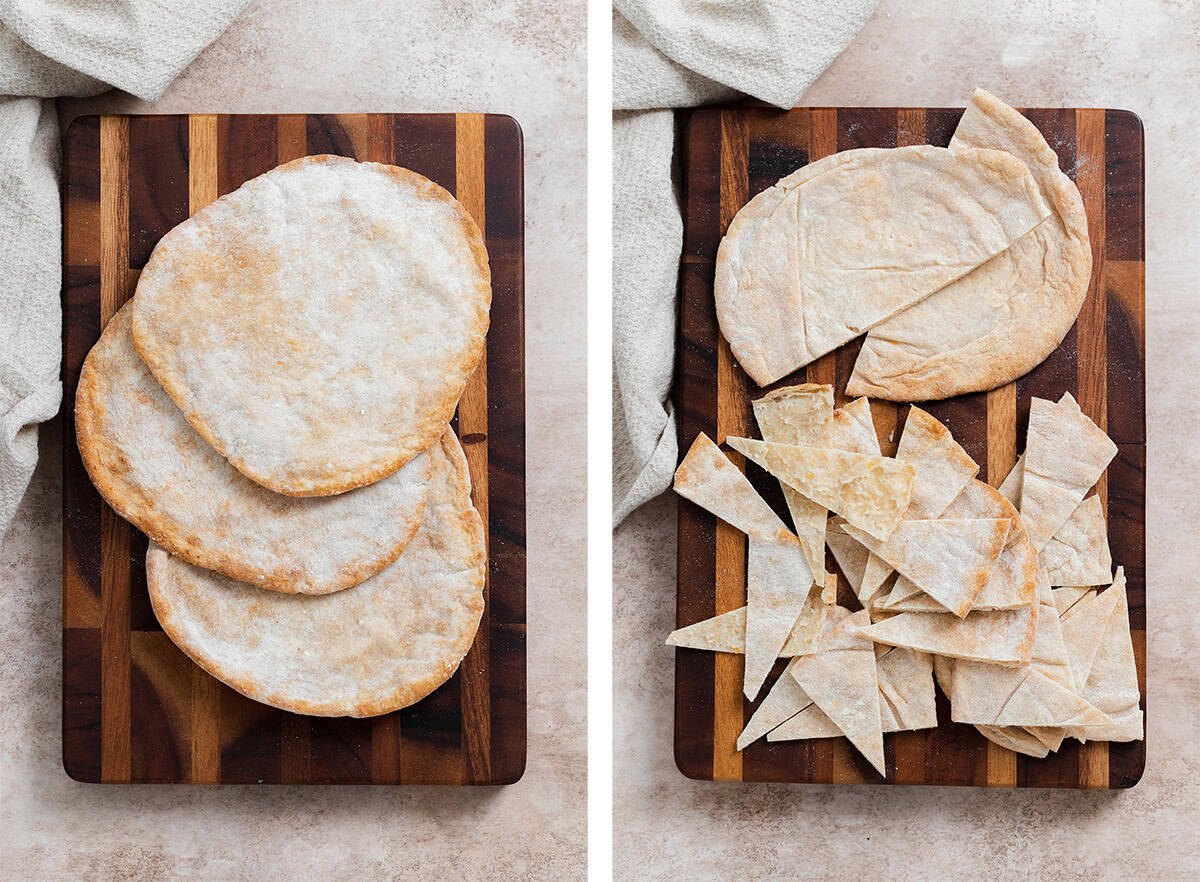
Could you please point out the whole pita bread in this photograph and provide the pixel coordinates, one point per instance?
(317, 325)
(839, 253)
(157, 472)
(1006, 316)
(368, 650)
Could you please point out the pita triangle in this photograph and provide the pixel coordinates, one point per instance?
(727, 632)
(1067, 596)
(849, 553)
(1040, 701)
(853, 429)
(708, 478)
(785, 699)
(870, 492)
(1112, 683)
(943, 468)
(1010, 489)
(842, 682)
(1078, 553)
(778, 580)
(809, 723)
(1011, 583)
(1003, 636)
(1082, 628)
(1016, 739)
(906, 695)
(947, 559)
(875, 574)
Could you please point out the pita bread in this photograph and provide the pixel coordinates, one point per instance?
(158, 473)
(1083, 629)
(1005, 317)
(870, 492)
(381, 645)
(841, 681)
(785, 699)
(1002, 636)
(1015, 738)
(808, 723)
(850, 555)
(1067, 596)
(1112, 682)
(800, 415)
(839, 253)
(1078, 552)
(709, 479)
(317, 325)
(778, 580)
(1012, 581)
(853, 429)
(1065, 455)
(727, 632)
(905, 690)
(948, 559)
(1011, 488)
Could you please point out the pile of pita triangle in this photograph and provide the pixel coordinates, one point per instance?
(1005, 598)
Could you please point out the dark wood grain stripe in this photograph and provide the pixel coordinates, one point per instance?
(160, 701)
(158, 182)
(247, 146)
(81, 684)
(1124, 217)
(250, 740)
(424, 143)
(431, 738)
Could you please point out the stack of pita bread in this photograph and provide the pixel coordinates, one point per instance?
(271, 409)
(964, 266)
(954, 580)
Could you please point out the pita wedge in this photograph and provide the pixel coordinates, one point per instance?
(1065, 455)
(1078, 553)
(905, 690)
(709, 479)
(727, 632)
(840, 254)
(853, 429)
(943, 469)
(1067, 596)
(841, 681)
(158, 473)
(1112, 682)
(1012, 582)
(1001, 637)
(318, 325)
(870, 492)
(948, 559)
(1003, 318)
(1015, 739)
(785, 699)
(1010, 489)
(808, 723)
(1083, 628)
(778, 583)
(379, 646)
(849, 553)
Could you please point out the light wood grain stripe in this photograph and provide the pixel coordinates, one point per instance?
(470, 189)
(114, 532)
(291, 139)
(206, 691)
(732, 404)
(1092, 341)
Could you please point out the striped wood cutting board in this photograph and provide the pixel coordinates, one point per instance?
(135, 709)
(731, 154)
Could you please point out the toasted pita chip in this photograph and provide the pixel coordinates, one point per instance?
(800, 415)
(709, 479)
(1083, 629)
(809, 723)
(853, 429)
(1112, 683)
(1065, 455)
(829, 591)
(996, 695)
(1011, 582)
(1016, 739)
(1010, 489)
(943, 467)
(870, 492)
(849, 553)
(905, 690)
(1078, 552)
(1002, 636)
(1067, 596)
(777, 583)
(948, 559)
(919, 602)
(785, 699)
(727, 632)
(841, 681)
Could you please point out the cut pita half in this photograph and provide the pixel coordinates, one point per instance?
(1078, 552)
(709, 479)
(948, 559)
(1065, 455)
(870, 492)
(1016, 739)
(1067, 596)
(1112, 683)
(905, 690)
(840, 254)
(842, 682)
(800, 415)
(1001, 637)
(1012, 582)
(1006, 316)
(727, 632)
(778, 581)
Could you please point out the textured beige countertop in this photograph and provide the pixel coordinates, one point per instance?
(508, 56)
(1143, 56)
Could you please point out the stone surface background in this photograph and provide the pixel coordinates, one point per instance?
(523, 57)
(1143, 56)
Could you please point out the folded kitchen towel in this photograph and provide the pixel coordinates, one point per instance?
(50, 48)
(681, 53)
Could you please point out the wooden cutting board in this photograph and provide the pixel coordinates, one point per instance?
(135, 709)
(730, 155)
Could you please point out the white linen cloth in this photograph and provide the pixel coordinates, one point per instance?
(680, 53)
(50, 48)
